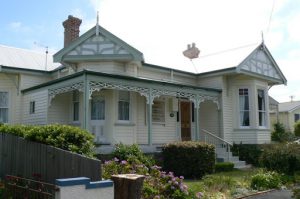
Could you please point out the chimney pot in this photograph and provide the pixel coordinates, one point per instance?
(71, 26)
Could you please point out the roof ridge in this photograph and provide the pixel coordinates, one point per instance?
(24, 49)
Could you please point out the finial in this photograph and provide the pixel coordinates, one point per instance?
(262, 37)
(97, 24)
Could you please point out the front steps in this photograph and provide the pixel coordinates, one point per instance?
(225, 156)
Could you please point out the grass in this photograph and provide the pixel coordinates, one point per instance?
(224, 184)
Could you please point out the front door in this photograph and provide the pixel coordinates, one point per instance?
(185, 115)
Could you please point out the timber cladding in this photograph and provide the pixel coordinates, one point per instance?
(42, 162)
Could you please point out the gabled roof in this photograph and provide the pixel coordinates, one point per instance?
(23, 58)
(289, 106)
(249, 60)
(105, 46)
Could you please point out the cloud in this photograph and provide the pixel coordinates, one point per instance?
(19, 27)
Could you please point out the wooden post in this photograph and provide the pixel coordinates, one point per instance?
(128, 186)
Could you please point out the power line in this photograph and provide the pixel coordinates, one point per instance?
(271, 15)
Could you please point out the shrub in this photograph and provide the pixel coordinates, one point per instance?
(297, 129)
(130, 152)
(190, 159)
(157, 184)
(61, 136)
(280, 135)
(224, 166)
(283, 158)
(248, 152)
(266, 180)
(219, 183)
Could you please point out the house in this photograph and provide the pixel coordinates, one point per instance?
(104, 85)
(288, 114)
(274, 111)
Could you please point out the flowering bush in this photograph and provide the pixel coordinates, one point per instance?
(157, 184)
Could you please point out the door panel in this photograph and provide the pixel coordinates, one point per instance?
(185, 115)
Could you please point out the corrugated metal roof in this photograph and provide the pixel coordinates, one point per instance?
(219, 60)
(23, 58)
(288, 106)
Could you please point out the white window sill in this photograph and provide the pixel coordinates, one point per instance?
(124, 123)
(252, 129)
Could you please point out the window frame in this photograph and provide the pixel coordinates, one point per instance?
(126, 120)
(32, 107)
(162, 101)
(91, 112)
(244, 110)
(298, 115)
(6, 107)
(75, 103)
(264, 112)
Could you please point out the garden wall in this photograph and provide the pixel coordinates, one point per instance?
(33, 160)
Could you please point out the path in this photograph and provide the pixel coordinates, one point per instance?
(278, 194)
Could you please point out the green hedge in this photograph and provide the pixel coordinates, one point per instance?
(61, 136)
(224, 166)
(283, 158)
(189, 159)
(248, 152)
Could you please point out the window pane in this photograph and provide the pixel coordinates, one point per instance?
(262, 118)
(296, 117)
(75, 111)
(244, 107)
(244, 118)
(98, 108)
(3, 115)
(124, 105)
(3, 99)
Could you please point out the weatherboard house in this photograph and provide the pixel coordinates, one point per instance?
(103, 85)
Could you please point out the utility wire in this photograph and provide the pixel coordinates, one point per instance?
(271, 15)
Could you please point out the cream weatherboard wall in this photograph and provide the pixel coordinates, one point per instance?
(253, 133)
(39, 117)
(60, 109)
(9, 83)
(288, 119)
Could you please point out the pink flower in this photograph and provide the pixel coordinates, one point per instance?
(199, 195)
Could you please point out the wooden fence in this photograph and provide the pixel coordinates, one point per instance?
(37, 161)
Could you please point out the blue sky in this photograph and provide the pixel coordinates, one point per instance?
(162, 29)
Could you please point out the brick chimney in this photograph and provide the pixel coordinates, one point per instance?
(71, 26)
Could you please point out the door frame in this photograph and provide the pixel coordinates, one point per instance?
(191, 116)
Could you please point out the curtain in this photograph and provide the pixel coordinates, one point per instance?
(98, 108)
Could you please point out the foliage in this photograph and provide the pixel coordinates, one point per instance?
(248, 152)
(232, 184)
(61, 136)
(266, 180)
(157, 184)
(297, 129)
(283, 158)
(296, 193)
(224, 166)
(190, 159)
(280, 135)
(129, 152)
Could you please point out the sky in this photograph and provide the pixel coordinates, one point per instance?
(161, 29)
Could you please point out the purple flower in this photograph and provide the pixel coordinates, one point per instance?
(181, 177)
(123, 162)
(156, 197)
(199, 195)
(116, 159)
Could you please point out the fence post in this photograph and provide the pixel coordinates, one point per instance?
(128, 186)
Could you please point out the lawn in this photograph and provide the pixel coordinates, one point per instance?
(231, 184)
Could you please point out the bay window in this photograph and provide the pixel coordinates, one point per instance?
(244, 107)
(261, 103)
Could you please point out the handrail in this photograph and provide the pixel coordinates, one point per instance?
(217, 137)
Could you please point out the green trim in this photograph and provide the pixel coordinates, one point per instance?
(59, 56)
(53, 82)
(117, 77)
(257, 75)
(24, 70)
(167, 68)
(78, 58)
(224, 71)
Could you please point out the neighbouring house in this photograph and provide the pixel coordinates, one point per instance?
(102, 84)
(288, 114)
(274, 111)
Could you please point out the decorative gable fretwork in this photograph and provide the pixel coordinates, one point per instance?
(98, 45)
(261, 64)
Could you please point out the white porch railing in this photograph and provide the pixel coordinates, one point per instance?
(210, 138)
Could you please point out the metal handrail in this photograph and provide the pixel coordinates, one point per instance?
(205, 131)
(228, 144)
